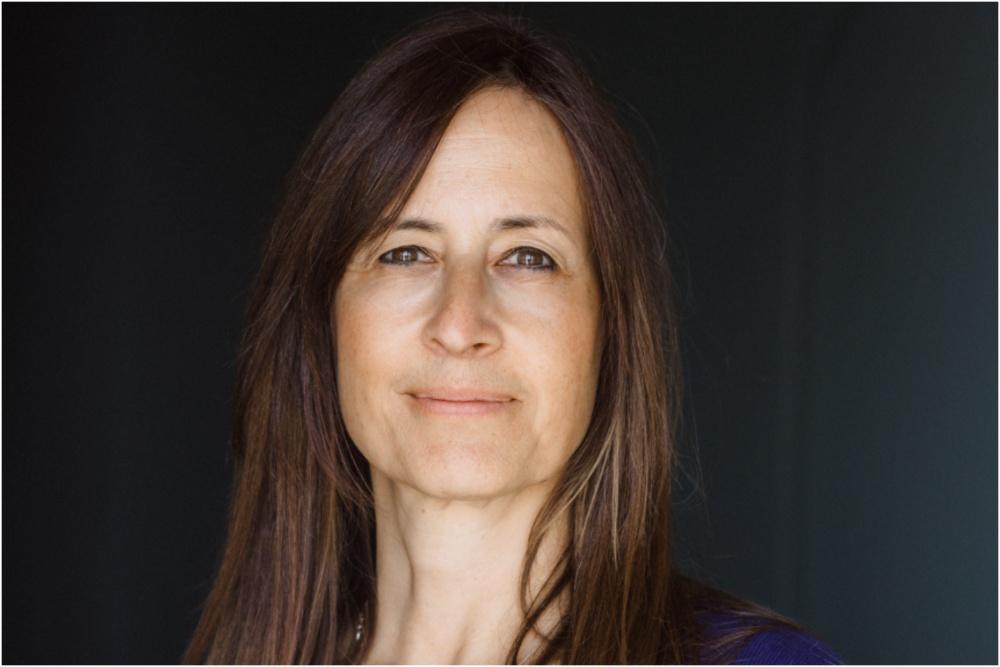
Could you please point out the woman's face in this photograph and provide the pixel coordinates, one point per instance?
(486, 291)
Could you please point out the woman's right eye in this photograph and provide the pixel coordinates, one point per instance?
(403, 256)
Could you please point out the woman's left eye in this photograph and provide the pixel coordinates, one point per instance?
(536, 259)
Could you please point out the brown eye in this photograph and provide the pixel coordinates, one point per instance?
(532, 259)
(404, 256)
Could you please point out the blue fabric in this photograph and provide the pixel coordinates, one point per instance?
(778, 646)
(786, 647)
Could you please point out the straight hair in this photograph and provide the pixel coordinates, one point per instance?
(297, 572)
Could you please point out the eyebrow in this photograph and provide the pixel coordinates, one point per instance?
(498, 225)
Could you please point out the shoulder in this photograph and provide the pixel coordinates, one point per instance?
(758, 642)
(786, 647)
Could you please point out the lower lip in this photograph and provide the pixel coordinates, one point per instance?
(438, 407)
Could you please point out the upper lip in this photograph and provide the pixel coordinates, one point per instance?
(460, 394)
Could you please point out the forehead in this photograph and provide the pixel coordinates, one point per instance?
(503, 153)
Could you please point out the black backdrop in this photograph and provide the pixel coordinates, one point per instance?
(830, 178)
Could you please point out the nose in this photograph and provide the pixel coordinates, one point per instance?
(463, 322)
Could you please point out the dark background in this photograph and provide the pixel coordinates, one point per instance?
(830, 179)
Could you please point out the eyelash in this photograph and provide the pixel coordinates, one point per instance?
(544, 267)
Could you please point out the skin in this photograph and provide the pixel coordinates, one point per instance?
(455, 495)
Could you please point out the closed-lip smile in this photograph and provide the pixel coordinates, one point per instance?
(461, 394)
(460, 401)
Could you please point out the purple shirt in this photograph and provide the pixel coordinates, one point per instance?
(774, 646)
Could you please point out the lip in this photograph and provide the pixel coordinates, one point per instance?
(460, 394)
(460, 401)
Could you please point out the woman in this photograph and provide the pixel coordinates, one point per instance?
(459, 386)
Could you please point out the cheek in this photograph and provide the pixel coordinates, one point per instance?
(369, 324)
(364, 347)
(563, 356)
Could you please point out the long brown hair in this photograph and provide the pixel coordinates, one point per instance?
(298, 568)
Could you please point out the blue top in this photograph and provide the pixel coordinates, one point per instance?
(786, 647)
(775, 646)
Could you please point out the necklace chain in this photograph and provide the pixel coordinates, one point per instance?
(359, 628)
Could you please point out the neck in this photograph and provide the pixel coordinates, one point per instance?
(449, 574)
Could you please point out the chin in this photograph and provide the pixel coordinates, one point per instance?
(461, 472)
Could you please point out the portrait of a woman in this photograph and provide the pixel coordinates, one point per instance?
(459, 386)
